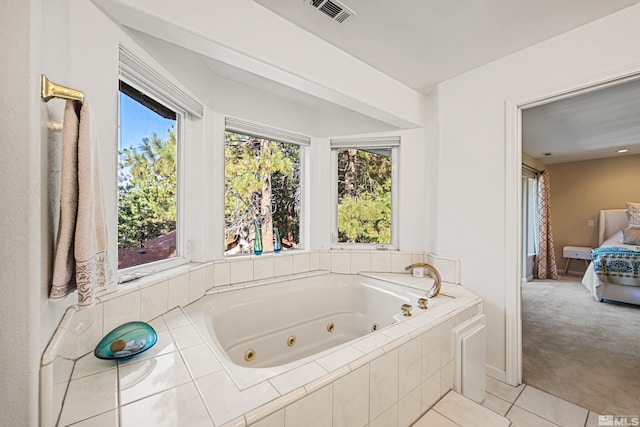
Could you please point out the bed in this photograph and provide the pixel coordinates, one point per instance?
(603, 279)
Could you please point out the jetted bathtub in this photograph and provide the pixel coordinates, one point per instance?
(279, 326)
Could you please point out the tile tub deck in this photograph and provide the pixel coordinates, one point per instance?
(387, 378)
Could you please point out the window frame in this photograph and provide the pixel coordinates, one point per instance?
(140, 270)
(240, 126)
(529, 213)
(137, 74)
(390, 142)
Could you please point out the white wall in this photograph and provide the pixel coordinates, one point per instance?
(253, 97)
(71, 56)
(21, 176)
(472, 129)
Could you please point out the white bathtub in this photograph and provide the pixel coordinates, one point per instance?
(283, 325)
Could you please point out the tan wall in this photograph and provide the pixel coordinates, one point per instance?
(579, 190)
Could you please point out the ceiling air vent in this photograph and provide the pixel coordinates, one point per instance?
(334, 9)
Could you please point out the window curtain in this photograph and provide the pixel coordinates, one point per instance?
(546, 266)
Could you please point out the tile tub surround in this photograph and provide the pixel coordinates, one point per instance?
(389, 378)
(146, 298)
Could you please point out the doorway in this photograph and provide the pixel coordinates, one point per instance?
(514, 212)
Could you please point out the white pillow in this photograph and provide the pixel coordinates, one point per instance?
(633, 213)
(631, 236)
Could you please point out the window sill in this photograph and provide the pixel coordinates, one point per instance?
(265, 254)
(151, 269)
(363, 247)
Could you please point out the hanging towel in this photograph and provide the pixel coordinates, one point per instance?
(81, 260)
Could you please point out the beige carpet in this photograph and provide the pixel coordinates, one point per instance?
(581, 350)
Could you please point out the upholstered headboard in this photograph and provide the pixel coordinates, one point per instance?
(612, 221)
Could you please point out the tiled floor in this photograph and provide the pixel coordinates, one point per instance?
(522, 406)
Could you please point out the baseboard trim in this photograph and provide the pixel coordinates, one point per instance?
(495, 373)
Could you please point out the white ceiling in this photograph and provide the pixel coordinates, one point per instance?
(588, 126)
(423, 42)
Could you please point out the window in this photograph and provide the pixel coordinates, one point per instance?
(263, 189)
(529, 209)
(147, 179)
(365, 177)
(153, 117)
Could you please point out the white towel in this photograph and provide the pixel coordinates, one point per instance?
(81, 261)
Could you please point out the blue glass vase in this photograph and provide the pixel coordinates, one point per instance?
(277, 242)
(126, 341)
(257, 243)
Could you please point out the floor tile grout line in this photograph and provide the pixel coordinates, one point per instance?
(453, 391)
(546, 419)
(539, 416)
(560, 398)
(443, 415)
(514, 401)
(499, 398)
(502, 398)
(589, 411)
(508, 385)
(512, 404)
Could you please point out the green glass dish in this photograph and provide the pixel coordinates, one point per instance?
(126, 341)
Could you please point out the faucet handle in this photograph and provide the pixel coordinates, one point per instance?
(422, 303)
(406, 310)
